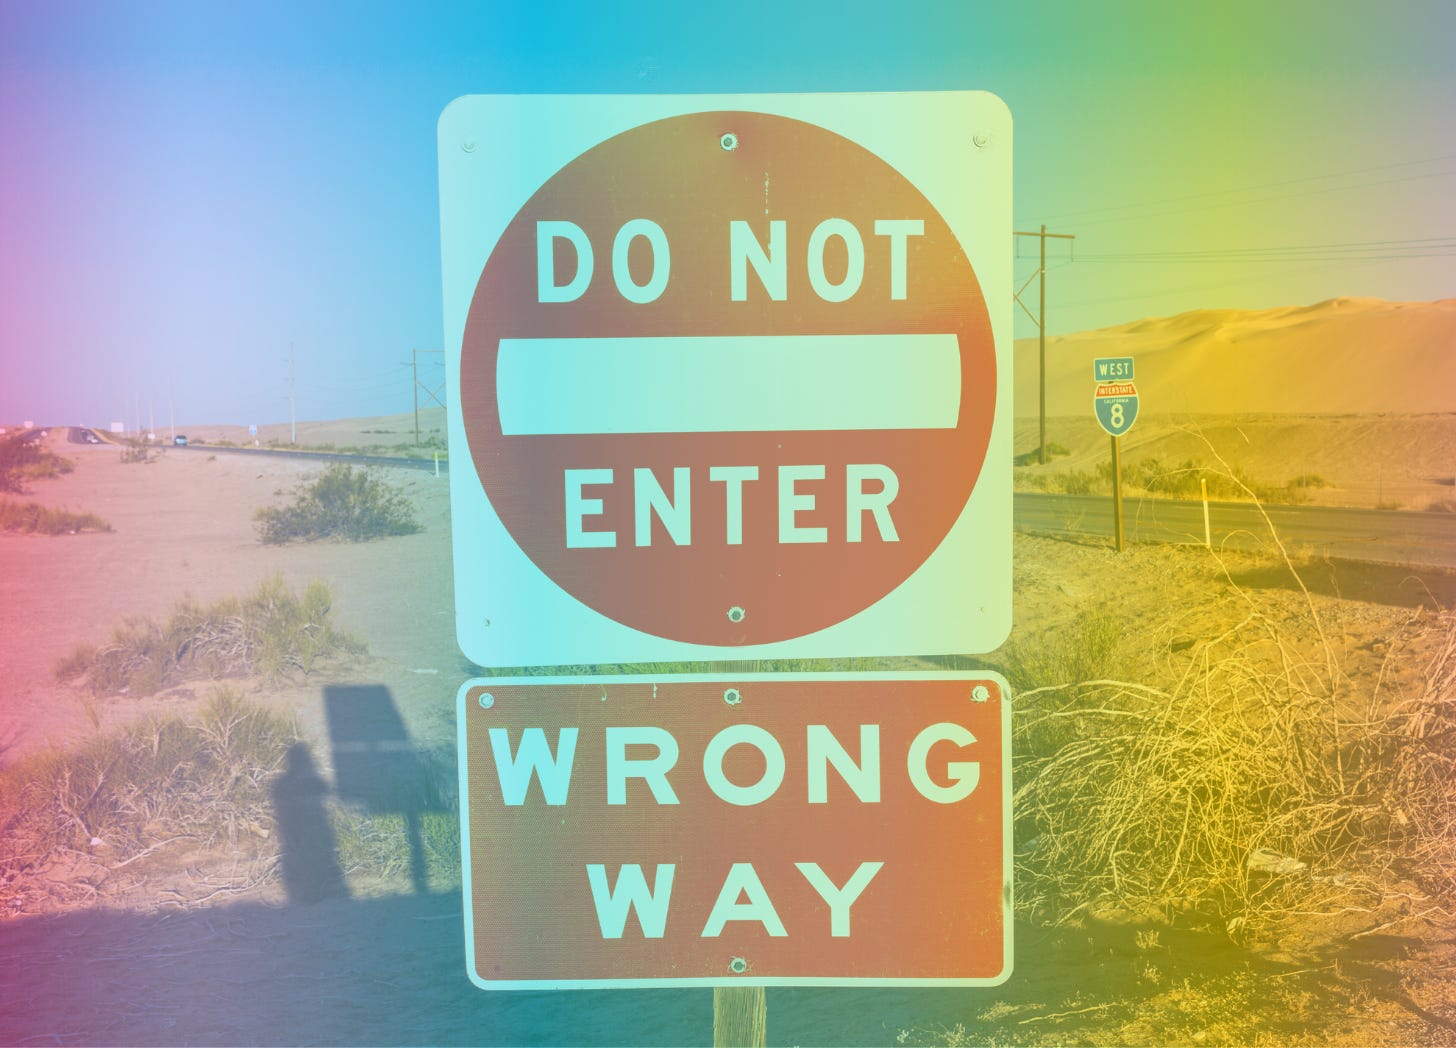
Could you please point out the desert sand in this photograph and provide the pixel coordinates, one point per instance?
(1346, 356)
(192, 948)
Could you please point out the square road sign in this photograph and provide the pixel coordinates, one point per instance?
(729, 376)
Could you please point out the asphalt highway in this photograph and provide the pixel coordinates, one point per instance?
(1400, 537)
(1378, 536)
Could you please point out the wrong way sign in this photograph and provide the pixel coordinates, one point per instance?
(724, 376)
(844, 829)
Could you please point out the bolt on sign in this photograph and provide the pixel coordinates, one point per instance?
(765, 829)
(725, 375)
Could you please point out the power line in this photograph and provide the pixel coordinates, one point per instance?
(1364, 250)
(1247, 278)
(434, 393)
(1085, 214)
(1040, 321)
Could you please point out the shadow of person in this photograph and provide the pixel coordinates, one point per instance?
(310, 860)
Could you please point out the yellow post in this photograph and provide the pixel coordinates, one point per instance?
(740, 1017)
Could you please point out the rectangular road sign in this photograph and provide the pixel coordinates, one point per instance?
(1112, 369)
(760, 829)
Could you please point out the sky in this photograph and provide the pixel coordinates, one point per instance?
(197, 199)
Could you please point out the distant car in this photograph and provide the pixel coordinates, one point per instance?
(180, 440)
(90, 438)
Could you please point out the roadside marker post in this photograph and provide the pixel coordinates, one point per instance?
(1207, 531)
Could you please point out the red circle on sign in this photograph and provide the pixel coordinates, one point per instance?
(680, 174)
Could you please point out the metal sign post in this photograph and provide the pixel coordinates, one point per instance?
(1115, 404)
(1116, 494)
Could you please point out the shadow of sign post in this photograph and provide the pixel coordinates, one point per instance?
(376, 763)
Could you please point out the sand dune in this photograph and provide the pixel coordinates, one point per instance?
(1347, 356)
(1344, 356)
(1361, 392)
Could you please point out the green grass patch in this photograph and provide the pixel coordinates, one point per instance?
(342, 503)
(32, 518)
(269, 633)
(1084, 650)
(414, 829)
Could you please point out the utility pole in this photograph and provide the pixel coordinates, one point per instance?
(434, 393)
(1040, 321)
(292, 417)
(171, 415)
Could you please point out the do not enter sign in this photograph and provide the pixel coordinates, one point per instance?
(727, 379)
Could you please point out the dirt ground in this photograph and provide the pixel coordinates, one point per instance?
(188, 947)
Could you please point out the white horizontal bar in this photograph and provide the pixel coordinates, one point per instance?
(727, 384)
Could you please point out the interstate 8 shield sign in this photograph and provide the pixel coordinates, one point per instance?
(1116, 406)
(724, 375)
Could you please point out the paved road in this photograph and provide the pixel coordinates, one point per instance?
(1380, 536)
(319, 456)
(325, 456)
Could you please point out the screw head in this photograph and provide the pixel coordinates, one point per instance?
(732, 696)
(486, 700)
(729, 141)
(738, 966)
(981, 139)
(468, 146)
(980, 693)
(736, 614)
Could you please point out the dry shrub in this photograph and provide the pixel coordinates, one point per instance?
(138, 449)
(127, 793)
(32, 518)
(22, 459)
(1256, 789)
(269, 633)
(341, 503)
